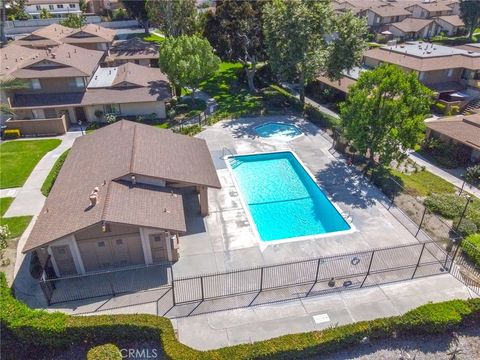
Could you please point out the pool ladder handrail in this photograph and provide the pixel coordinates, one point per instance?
(347, 216)
(226, 150)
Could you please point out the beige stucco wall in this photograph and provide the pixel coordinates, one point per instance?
(56, 126)
(142, 108)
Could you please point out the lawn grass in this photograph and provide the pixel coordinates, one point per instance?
(18, 158)
(16, 225)
(52, 175)
(423, 183)
(148, 37)
(233, 98)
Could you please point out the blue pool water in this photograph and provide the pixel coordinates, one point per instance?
(277, 130)
(283, 199)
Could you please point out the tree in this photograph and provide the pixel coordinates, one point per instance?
(235, 31)
(305, 38)
(187, 60)
(45, 14)
(174, 17)
(83, 5)
(16, 10)
(470, 14)
(137, 10)
(10, 84)
(472, 175)
(74, 21)
(384, 112)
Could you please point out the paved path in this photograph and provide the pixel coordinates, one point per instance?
(12, 192)
(448, 176)
(29, 199)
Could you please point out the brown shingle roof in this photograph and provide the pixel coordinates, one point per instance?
(465, 129)
(388, 10)
(134, 48)
(55, 34)
(417, 63)
(411, 24)
(71, 60)
(435, 6)
(102, 159)
(343, 84)
(138, 75)
(454, 20)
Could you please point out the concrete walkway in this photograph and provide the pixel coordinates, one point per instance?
(448, 176)
(248, 325)
(12, 192)
(29, 199)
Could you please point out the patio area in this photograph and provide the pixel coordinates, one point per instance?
(225, 240)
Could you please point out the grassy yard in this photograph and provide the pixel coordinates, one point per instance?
(52, 175)
(233, 98)
(423, 183)
(18, 158)
(148, 37)
(16, 225)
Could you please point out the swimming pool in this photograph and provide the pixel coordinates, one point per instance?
(278, 131)
(283, 200)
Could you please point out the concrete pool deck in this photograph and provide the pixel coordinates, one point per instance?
(225, 240)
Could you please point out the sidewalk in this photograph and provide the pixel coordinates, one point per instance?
(420, 160)
(29, 199)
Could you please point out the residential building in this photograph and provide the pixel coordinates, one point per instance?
(386, 14)
(124, 206)
(429, 10)
(66, 85)
(462, 132)
(453, 73)
(90, 36)
(56, 8)
(452, 25)
(412, 28)
(99, 7)
(134, 50)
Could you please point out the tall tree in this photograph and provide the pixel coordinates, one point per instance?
(16, 9)
(174, 17)
(235, 31)
(45, 14)
(305, 38)
(384, 112)
(470, 14)
(137, 10)
(74, 21)
(6, 85)
(187, 60)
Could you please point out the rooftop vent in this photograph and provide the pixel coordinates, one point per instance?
(134, 180)
(93, 197)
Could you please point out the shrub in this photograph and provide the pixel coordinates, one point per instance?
(454, 110)
(467, 227)
(119, 14)
(104, 352)
(471, 248)
(440, 107)
(52, 175)
(98, 114)
(321, 119)
(449, 206)
(110, 118)
(472, 175)
(11, 134)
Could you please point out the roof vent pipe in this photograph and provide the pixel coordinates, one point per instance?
(134, 180)
(93, 197)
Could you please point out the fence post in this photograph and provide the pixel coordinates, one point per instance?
(369, 267)
(261, 278)
(456, 252)
(421, 221)
(318, 268)
(418, 262)
(201, 284)
(173, 287)
(111, 283)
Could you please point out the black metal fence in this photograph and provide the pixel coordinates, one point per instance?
(467, 266)
(354, 270)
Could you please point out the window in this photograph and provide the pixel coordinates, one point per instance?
(72, 6)
(119, 241)
(77, 82)
(137, 62)
(450, 73)
(101, 244)
(50, 7)
(422, 76)
(112, 108)
(39, 7)
(60, 6)
(35, 84)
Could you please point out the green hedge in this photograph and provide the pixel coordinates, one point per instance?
(38, 331)
(471, 248)
(104, 352)
(52, 175)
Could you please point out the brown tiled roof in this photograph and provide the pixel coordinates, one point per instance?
(435, 6)
(454, 20)
(55, 34)
(410, 61)
(138, 75)
(134, 48)
(412, 24)
(470, 47)
(160, 92)
(72, 61)
(343, 84)
(390, 10)
(102, 159)
(462, 128)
